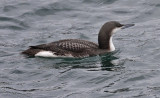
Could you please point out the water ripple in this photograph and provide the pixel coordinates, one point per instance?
(100, 1)
(131, 71)
(17, 24)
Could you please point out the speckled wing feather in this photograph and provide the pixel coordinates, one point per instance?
(75, 47)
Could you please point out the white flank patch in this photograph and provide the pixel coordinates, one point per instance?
(112, 48)
(45, 54)
(50, 54)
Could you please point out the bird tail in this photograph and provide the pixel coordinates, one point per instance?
(31, 52)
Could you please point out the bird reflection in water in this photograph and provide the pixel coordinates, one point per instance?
(96, 63)
(107, 62)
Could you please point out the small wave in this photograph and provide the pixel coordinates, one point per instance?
(14, 24)
(12, 27)
(121, 12)
(30, 90)
(8, 8)
(49, 9)
(100, 1)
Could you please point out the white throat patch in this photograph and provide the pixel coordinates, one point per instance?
(112, 48)
(115, 30)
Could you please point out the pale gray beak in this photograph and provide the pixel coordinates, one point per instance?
(127, 26)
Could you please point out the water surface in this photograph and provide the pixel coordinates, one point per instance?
(132, 71)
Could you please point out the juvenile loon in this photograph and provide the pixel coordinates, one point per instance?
(79, 48)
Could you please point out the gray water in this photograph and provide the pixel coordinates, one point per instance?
(132, 71)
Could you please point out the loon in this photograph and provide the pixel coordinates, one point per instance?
(79, 48)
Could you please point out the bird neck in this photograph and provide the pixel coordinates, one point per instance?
(105, 42)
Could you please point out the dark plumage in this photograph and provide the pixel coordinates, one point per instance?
(77, 47)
